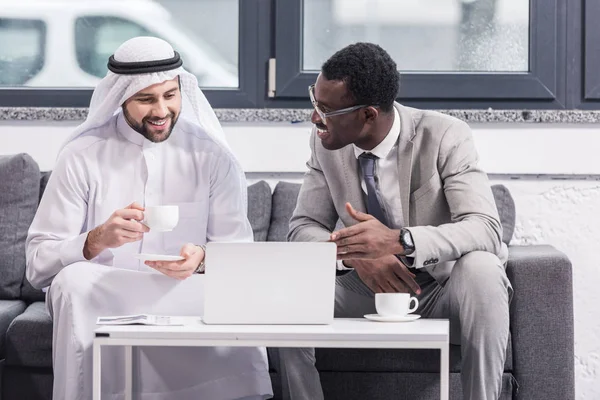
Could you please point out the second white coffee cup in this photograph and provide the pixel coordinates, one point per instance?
(161, 218)
(395, 304)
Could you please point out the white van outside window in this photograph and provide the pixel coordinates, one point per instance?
(96, 38)
(22, 50)
(66, 43)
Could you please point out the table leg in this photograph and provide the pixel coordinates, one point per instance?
(128, 373)
(97, 377)
(444, 373)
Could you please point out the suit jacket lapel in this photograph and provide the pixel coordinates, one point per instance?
(405, 154)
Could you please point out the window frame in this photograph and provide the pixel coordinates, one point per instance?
(583, 38)
(244, 96)
(562, 59)
(542, 87)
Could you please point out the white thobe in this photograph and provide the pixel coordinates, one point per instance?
(107, 169)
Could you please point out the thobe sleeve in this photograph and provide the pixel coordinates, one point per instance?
(227, 213)
(56, 236)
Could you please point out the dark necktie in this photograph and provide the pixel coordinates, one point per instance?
(374, 198)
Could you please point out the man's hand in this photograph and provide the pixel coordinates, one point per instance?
(385, 275)
(193, 256)
(369, 239)
(123, 226)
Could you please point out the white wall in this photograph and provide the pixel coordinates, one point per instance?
(550, 169)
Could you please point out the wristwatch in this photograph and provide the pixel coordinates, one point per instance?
(406, 241)
(200, 268)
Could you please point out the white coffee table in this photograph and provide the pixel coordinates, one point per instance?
(357, 333)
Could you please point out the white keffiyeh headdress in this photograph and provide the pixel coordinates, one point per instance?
(142, 62)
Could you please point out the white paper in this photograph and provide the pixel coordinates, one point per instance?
(139, 319)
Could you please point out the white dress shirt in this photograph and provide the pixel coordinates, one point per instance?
(386, 169)
(112, 166)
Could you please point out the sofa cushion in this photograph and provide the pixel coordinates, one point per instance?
(19, 194)
(27, 383)
(506, 209)
(385, 360)
(389, 386)
(31, 294)
(29, 338)
(285, 196)
(9, 310)
(259, 209)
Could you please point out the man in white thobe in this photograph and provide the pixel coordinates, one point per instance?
(151, 138)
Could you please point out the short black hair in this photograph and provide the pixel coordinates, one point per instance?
(369, 73)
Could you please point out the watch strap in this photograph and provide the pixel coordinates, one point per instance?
(201, 266)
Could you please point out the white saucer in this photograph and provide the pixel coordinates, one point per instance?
(392, 318)
(157, 257)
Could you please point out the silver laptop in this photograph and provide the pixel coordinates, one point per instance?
(269, 283)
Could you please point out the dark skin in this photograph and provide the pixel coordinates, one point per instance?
(369, 246)
(366, 127)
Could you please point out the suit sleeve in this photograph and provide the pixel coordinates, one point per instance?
(475, 222)
(315, 216)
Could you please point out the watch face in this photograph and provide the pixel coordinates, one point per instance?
(407, 239)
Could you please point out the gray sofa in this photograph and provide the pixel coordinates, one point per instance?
(540, 358)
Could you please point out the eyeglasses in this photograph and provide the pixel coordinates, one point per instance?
(324, 115)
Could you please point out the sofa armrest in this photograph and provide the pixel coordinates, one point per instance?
(541, 318)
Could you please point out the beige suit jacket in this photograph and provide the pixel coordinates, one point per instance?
(446, 198)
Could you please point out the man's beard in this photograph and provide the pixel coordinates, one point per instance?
(142, 128)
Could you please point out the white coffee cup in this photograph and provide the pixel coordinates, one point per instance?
(161, 218)
(395, 304)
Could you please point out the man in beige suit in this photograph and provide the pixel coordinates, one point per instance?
(418, 212)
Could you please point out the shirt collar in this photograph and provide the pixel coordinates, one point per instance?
(387, 144)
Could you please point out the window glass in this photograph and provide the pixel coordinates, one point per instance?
(21, 50)
(422, 35)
